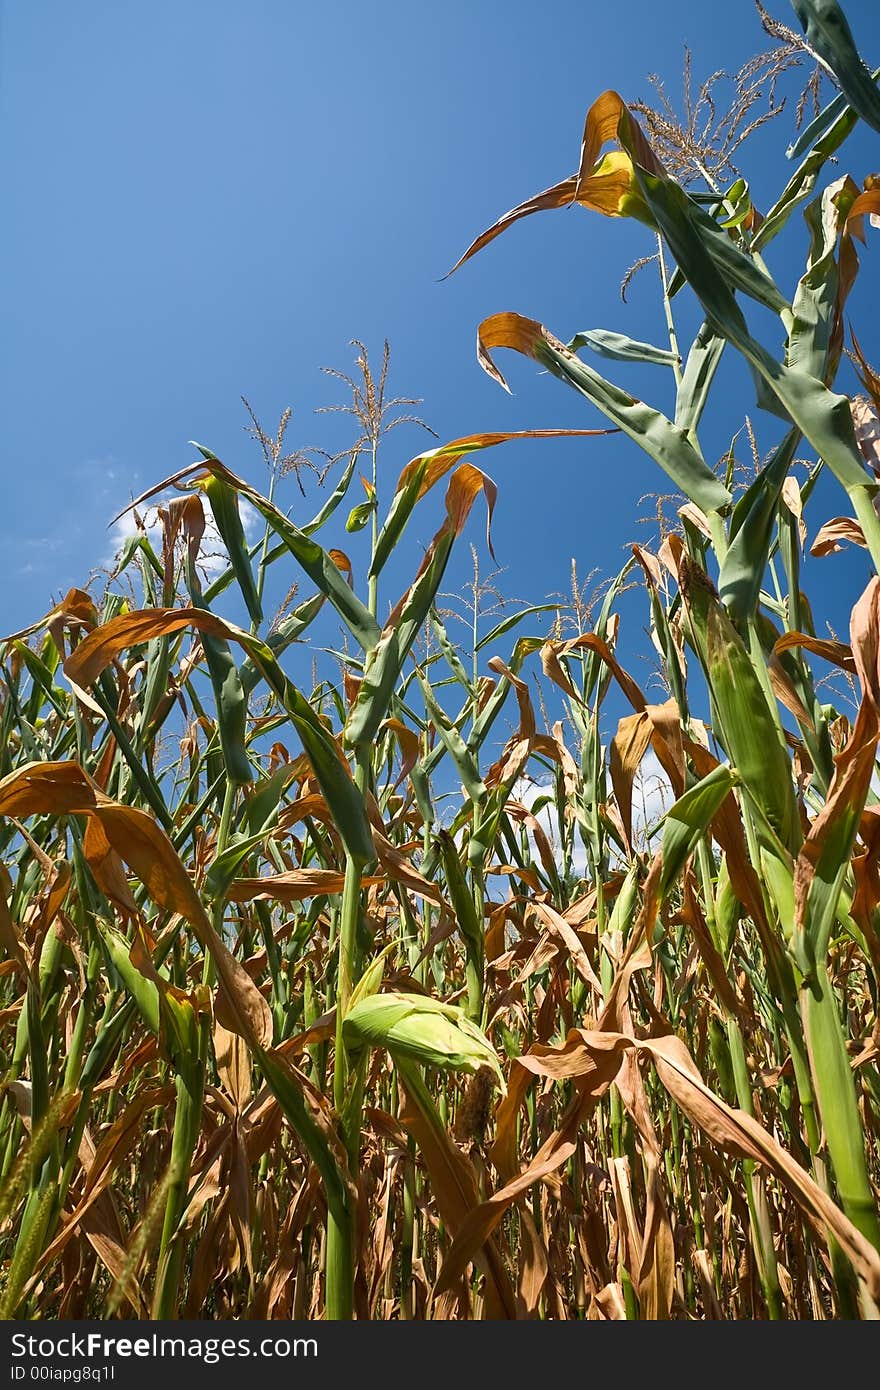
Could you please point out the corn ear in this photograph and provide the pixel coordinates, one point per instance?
(412, 1025)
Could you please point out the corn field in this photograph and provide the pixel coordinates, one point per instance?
(400, 997)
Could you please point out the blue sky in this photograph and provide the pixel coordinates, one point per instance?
(210, 198)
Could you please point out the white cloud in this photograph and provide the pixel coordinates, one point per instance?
(652, 794)
(652, 797)
(529, 792)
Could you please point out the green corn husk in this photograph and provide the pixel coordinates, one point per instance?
(745, 721)
(412, 1025)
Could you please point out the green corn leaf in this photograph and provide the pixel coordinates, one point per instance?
(231, 702)
(316, 562)
(803, 180)
(822, 417)
(619, 348)
(399, 513)
(469, 925)
(371, 979)
(224, 868)
(697, 377)
(728, 909)
(164, 1010)
(325, 574)
(38, 1050)
(42, 673)
(737, 205)
(751, 529)
(334, 778)
(287, 1092)
(359, 516)
(732, 264)
(831, 39)
(743, 718)
(816, 307)
(818, 127)
(335, 498)
(385, 662)
(665, 443)
(144, 992)
(825, 858)
(831, 1067)
(224, 579)
(512, 621)
(224, 506)
(451, 655)
(687, 821)
(483, 721)
(261, 808)
(721, 1058)
(450, 736)
(342, 796)
(230, 696)
(159, 658)
(424, 471)
(289, 630)
(650, 429)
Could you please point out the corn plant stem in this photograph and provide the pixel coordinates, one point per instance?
(696, 1195)
(340, 1232)
(615, 1104)
(261, 567)
(190, 1088)
(84, 1018)
(373, 586)
(784, 988)
(475, 627)
(667, 309)
(411, 1179)
(35, 1226)
(782, 983)
(196, 816)
(10, 1133)
(350, 916)
(475, 964)
(32, 1237)
(759, 1221)
(759, 1211)
(139, 774)
(408, 1234)
(838, 1107)
(606, 975)
(220, 846)
(187, 1120)
(846, 1284)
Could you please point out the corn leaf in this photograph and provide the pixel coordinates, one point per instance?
(664, 442)
(830, 37)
